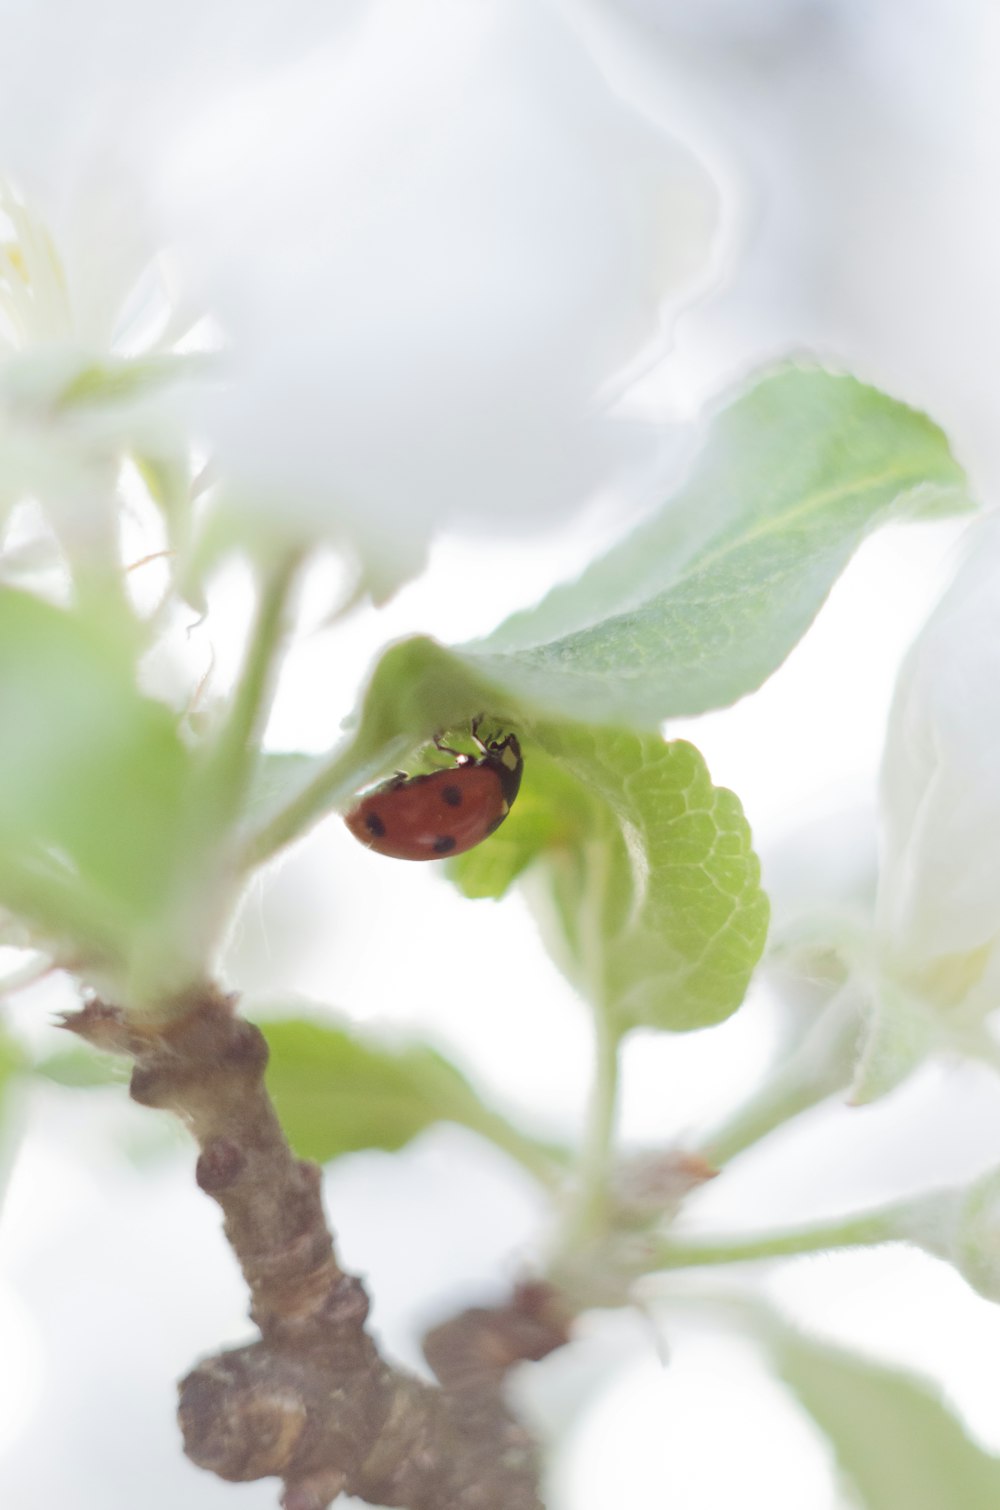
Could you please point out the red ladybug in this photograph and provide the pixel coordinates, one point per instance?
(445, 812)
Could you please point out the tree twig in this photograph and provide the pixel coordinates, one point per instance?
(313, 1402)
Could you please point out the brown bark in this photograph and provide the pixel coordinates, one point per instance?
(313, 1402)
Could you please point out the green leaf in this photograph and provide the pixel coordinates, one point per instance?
(553, 812)
(640, 870)
(693, 610)
(13, 1063)
(703, 602)
(278, 779)
(896, 1442)
(337, 1091)
(92, 778)
(82, 1069)
(642, 873)
(12, 1060)
(665, 911)
(417, 689)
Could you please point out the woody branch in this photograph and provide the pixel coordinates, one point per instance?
(313, 1402)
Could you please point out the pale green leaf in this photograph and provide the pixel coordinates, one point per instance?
(82, 1069)
(278, 779)
(12, 1059)
(552, 812)
(418, 689)
(641, 871)
(704, 601)
(897, 1443)
(338, 1091)
(92, 778)
(663, 915)
(693, 610)
(13, 1063)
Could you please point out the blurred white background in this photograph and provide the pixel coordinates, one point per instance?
(857, 145)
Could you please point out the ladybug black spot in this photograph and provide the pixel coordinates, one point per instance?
(452, 796)
(444, 844)
(374, 825)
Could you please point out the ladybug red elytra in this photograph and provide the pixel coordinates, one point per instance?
(443, 812)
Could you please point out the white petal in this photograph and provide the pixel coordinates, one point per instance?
(939, 892)
(90, 100)
(433, 251)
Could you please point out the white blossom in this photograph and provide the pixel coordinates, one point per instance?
(432, 240)
(90, 102)
(434, 247)
(939, 889)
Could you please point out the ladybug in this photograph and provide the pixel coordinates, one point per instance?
(444, 812)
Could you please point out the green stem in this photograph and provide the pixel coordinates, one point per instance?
(597, 1156)
(587, 1215)
(187, 930)
(231, 758)
(821, 1065)
(887, 1224)
(546, 1164)
(777, 1102)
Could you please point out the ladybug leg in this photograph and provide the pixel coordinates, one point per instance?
(474, 730)
(460, 756)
